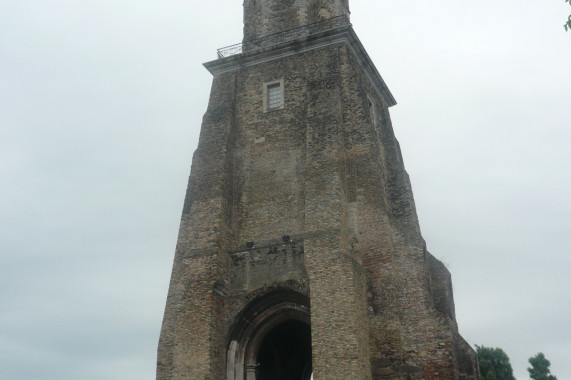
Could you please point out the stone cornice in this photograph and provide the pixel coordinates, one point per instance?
(344, 35)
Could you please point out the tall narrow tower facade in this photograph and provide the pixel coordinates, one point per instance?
(299, 251)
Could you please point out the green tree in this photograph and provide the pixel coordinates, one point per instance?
(539, 369)
(567, 25)
(494, 364)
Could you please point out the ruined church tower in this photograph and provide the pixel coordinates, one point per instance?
(299, 252)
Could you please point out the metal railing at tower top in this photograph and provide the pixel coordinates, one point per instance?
(284, 36)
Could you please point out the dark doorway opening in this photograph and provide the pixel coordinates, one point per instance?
(285, 352)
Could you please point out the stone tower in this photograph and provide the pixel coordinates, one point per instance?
(299, 248)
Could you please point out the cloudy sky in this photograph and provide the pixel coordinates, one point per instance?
(100, 109)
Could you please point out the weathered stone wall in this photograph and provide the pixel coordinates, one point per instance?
(193, 338)
(288, 181)
(255, 268)
(312, 199)
(265, 17)
(413, 329)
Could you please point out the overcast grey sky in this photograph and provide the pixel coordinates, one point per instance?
(100, 109)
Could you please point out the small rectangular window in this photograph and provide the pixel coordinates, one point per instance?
(274, 95)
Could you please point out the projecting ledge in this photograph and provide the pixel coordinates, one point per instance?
(342, 35)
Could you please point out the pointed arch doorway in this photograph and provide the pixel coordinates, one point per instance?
(271, 340)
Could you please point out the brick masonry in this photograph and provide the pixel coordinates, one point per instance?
(311, 200)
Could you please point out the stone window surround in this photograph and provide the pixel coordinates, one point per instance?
(269, 84)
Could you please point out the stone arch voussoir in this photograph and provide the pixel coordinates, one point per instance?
(252, 325)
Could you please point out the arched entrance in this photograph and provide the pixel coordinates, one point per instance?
(271, 340)
(285, 352)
